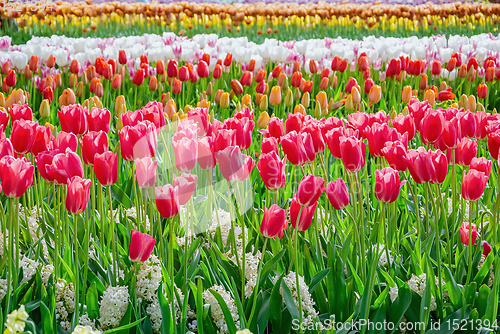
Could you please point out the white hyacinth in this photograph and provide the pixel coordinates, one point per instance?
(113, 306)
(216, 310)
(149, 279)
(65, 303)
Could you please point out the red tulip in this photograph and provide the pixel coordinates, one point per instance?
(6, 148)
(467, 230)
(275, 128)
(465, 151)
(436, 68)
(65, 140)
(138, 141)
(141, 246)
(122, 57)
(449, 135)
(145, 171)
(186, 184)
(19, 111)
(177, 86)
(234, 165)
(132, 118)
(306, 216)
(350, 83)
(494, 144)
(153, 112)
(473, 184)
(64, 166)
(272, 170)
(99, 119)
(404, 124)
(48, 94)
(246, 78)
(4, 119)
(78, 193)
(378, 135)
(359, 121)
(217, 71)
(296, 79)
(395, 153)
(387, 185)
(202, 70)
(33, 65)
(337, 194)
(486, 247)
(445, 95)
(236, 86)
(270, 145)
(363, 63)
(294, 122)
(73, 119)
(273, 221)
(420, 165)
(186, 153)
(42, 139)
(393, 69)
(228, 60)
(293, 147)
(16, 176)
(482, 91)
(309, 190)
(243, 131)
(167, 200)
(42, 160)
(11, 78)
(481, 164)
(138, 78)
(160, 67)
(106, 168)
(353, 152)
(93, 143)
(432, 127)
(23, 136)
(316, 136)
(333, 141)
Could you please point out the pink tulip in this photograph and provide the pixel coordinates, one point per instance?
(145, 171)
(73, 118)
(465, 230)
(309, 190)
(65, 140)
(486, 247)
(64, 166)
(99, 119)
(106, 168)
(141, 246)
(481, 164)
(275, 128)
(473, 184)
(138, 141)
(78, 194)
(306, 216)
(186, 183)
(6, 148)
(16, 176)
(432, 127)
(234, 165)
(42, 139)
(272, 170)
(293, 147)
(273, 221)
(186, 153)
(93, 143)
(167, 200)
(337, 194)
(224, 138)
(353, 152)
(395, 153)
(270, 145)
(387, 185)
(18, 112)
(23, 135)
(206, 153)
(465, 151)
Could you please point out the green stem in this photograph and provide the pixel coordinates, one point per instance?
(77, 273)
(470, 250)
(256, 292)
(112, 228)
(296, 247)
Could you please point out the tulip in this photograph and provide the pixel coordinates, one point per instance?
(11, 78)
(436, 68)
(420, 165)
(269, 145)
(234, 165)
(353, 152)
(167, 200)
(263, 120)
(306, 216)
(375, 94)
(217, 72)
(275, 96)
(445, 95)
(67, 97)
(206, 153)
(18, 112)
(246, 78)
(141, 246)
(203, 71)
(23, 136)
(272, 170)
(33, 64)
(16, 176)
(93, 143)
(6, 148)
(432, 127)
(106, 168)
(63, 167)
(145, 171)
(48, 94)
(186, 153)
(404, 124)
(482, 91)
(236, 86)
(224, 138)
(293, 147)
(138, 78)
(466, 231)
(350, 84)
(186, 184)
(4, 118)
(486, 247)
(116, 83)
(406, 94)
(481, 164)
(296, 79)
(309, 190)
(273, 221)
(465, 151)
(395, 153)
(99, 119)
(138, 141)
(122, 57)
(387, 185)
(473, 184)
(337, 194)
(275, 128)
(378, 135)
(78, 193)
(394, 68)
(440, 166)
(42, 139)
(65, 140)
(73, 119)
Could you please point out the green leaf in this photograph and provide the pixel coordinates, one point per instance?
(125, 327)
(485, 269)
(400, 304)
(452, 323)
(453, 290)
(46, 319)
(225, 310)
(482, 299)
(276, 303)
(289, 301)
(270, 264)
(166, 322)
(199, 306)
(92, 300)
(316, 280)
(120, 196)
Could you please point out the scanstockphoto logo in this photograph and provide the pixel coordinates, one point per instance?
(27, 5)
(183, 154)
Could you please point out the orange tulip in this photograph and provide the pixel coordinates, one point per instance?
(375, 94)
(275, 96)
(482, 91)
(322, 100)
(406, 94)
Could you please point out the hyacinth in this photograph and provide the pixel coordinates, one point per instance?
(113, 306)
(149, 278)
(251, 270)
(216, 310)
(65, 303)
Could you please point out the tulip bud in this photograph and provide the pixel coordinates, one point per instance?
(51, 62)
(116, 82)
(153, 84)
(430, 97)
(406, 94)
(258, 97)
(323, 84)
(263, 120)
(443, 86)
(306, 99)
(482, 91)
(334, 81)
(246, 100)
(284, 84)
(275, 96)
(299, 108)
(120, 105)
(480, 107)
(375, 94)
(317, 110)
(322, 100)
(393, 113)
(210, 89)
(263, 103)
(224, 100)
(44, 109)
(462, 103)
(288, 98)
(296, 93)
(218, 95)
(471, 103)
(423, 83)
(356, 96)
(67, 97)
(405, 111)
(494, 111)
(27, 72)
(349, 104)
(384, 87)
(231, 95)
(2, 100)
(331, 104)
(79, 89)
